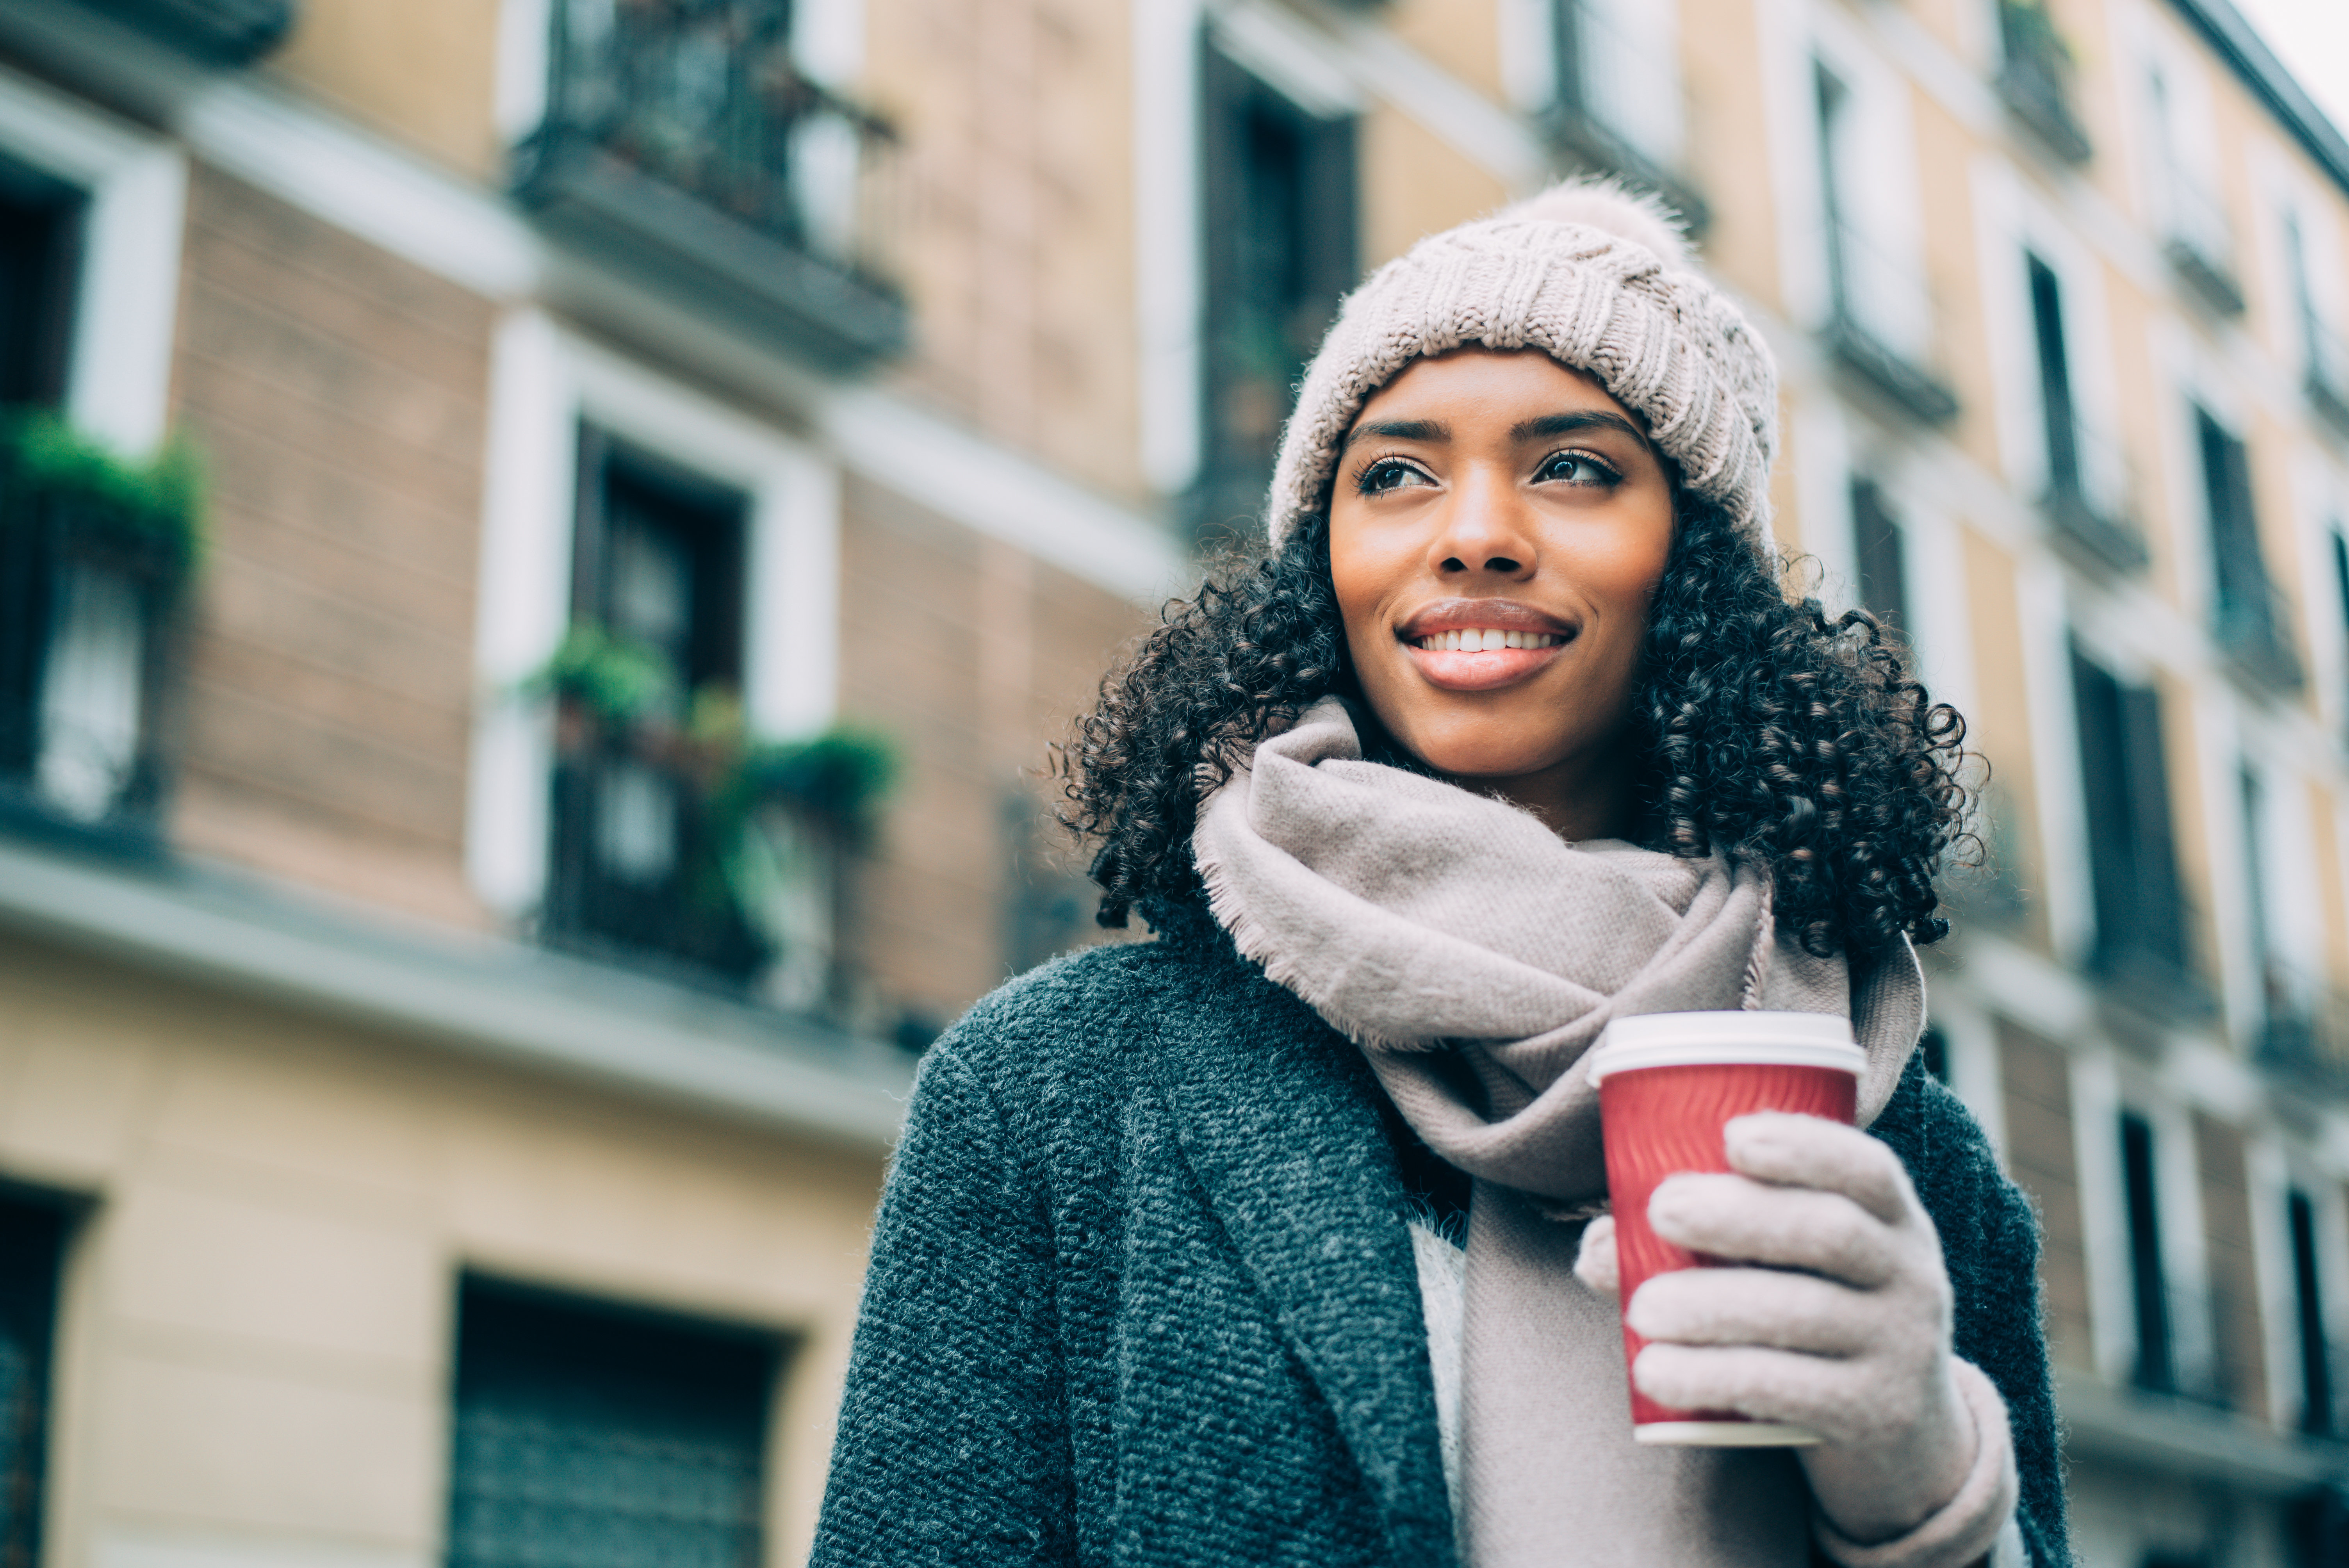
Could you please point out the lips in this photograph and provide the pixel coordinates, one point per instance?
(1483, 645)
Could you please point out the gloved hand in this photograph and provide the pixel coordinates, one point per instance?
(1845, 1330)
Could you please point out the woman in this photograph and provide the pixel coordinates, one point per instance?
(1281, 1239)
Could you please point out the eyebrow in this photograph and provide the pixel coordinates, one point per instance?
(1525, 430)
(1566, 424)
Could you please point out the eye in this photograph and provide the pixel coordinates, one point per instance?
(1583, 468)
(1387, 474)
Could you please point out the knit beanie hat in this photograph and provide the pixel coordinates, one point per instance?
(1594, 275)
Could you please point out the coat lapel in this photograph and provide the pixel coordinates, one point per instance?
(1275, 1114)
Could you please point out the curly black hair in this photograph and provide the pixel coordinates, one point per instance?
(1766, 728)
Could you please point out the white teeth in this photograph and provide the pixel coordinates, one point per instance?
(1485, 640)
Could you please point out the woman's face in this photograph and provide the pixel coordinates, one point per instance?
(1497, 527)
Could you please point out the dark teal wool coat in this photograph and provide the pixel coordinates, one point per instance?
(1142, 1290)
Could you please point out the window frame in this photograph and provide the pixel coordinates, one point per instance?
(544, 383)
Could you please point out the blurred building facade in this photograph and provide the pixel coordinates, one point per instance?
(459, 973)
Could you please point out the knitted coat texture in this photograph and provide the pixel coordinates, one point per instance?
(1143, 1291)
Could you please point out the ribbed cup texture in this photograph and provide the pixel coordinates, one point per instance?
(1658, 1121)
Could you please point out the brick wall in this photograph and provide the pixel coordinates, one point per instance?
(337, 393)
(2042, 1160)
(2235, 1330)
(971, 655)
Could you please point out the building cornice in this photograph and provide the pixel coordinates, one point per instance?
(481, 996)
(2248, 56)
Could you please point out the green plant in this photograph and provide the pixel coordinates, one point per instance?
(149, 509)
(618, 680)
(837, 779)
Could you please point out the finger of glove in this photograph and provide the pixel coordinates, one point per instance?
(1810, 1151)
(1828, 1396)
(1786, 1227)
(1594, 1264)
(1758, 1307)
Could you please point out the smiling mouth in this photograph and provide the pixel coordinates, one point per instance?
(1484, 640)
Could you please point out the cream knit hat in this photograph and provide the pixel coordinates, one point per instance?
(1599, 278)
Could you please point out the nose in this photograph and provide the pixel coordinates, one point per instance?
(1483, 528)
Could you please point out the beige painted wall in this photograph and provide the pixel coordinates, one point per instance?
(255, 1361)
(420, 72)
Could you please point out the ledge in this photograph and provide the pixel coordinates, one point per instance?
(225, 32)
(487, 996)
(2155, 1430)
(823, 314)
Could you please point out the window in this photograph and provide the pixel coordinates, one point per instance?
(40, 245)
(595, 1436)
(1881, 315)
(2148, 1286)
(1619, 106)
(2326, 375)
(1880, 554)
(2112, 542)
(2308, 1305)
(2248, 617)
(2140, 916)
(2199, 240)
(77, 598)
(2036, 77)
(32, 1237)
(1281, 241)
(638, 866)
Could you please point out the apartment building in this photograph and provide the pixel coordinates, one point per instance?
(491, 489)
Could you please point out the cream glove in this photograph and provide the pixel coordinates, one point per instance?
(1843, 1330)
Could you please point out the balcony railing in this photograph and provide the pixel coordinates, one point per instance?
(225, 32)
(2036, 78)
(1882, 313)
(2200, 245)
(2326, 379)
(89, 590)
(2252, 622)
(681, 142)
(1620, 110)
(2090, 499)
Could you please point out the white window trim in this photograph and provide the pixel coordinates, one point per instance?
(544, 382)
(1170, 285)
(119, 374)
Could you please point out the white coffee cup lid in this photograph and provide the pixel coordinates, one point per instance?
(1710, 1039)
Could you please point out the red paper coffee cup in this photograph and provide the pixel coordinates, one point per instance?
(1667, 1082)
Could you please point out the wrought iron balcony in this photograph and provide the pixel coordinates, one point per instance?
(2200, 245)
(2326, 380)
(225, 32)
(2251, 624)
(1878, 309)
(2035, 78)
(90, 581)
(683, 144)
(2088, 500)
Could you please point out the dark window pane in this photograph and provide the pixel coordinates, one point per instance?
(589, 1435)
(1882, 555)
(1280, 252)
(2147, 1283)
(2132, 858)
(40, 251)
(2054, 380)
(32, 1237)
(2315, 1355)
(637, 870)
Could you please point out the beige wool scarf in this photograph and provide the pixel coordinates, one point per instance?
(1476, 957)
